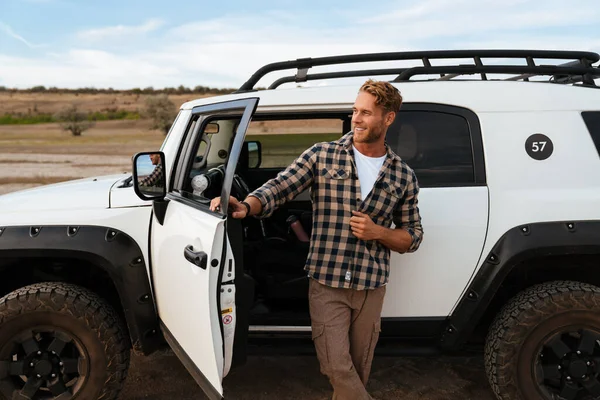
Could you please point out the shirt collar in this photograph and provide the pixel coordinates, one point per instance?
(346, 143)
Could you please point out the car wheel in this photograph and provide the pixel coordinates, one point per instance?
(60, 341)
(544, 344)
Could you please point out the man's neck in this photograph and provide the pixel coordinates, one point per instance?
(371, 149)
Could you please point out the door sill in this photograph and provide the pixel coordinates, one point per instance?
(278, 328)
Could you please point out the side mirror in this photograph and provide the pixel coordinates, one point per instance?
(254, 150)
(149, 181)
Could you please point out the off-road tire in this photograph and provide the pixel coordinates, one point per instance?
(86, 318)
(544, 309)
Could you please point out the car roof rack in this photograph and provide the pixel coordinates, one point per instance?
(577, 67)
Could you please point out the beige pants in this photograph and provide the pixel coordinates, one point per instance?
(345, 329)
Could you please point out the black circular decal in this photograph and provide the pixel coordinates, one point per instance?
(539, 147)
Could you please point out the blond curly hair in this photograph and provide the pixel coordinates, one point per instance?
(386, 94)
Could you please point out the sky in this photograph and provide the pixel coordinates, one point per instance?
(128, 44)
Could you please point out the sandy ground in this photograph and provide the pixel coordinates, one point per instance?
(268, 377)
(33, 155)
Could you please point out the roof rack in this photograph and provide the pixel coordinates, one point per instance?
(578, 69)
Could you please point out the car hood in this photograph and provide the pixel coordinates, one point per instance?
(87, 193)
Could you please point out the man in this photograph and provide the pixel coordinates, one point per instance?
(359, 186)
(156, 174)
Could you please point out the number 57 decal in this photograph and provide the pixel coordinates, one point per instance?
(539, 147)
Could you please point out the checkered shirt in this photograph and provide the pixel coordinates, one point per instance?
(154, 177)
(336, 257)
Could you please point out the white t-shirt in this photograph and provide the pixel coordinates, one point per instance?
(368, 170)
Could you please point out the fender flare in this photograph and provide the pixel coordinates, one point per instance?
(111, 250)
(517, 245)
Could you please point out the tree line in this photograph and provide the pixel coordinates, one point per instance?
(148, 90)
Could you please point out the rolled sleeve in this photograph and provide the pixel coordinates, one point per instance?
(288, 184)
(408, 217)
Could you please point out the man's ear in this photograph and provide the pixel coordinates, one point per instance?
(390, 117)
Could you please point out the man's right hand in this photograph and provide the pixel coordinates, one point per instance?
(238, 210)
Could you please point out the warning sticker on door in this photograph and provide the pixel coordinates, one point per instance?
(227, 319)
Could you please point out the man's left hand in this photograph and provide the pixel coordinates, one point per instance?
(363, 226)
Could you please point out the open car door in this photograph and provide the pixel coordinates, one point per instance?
(193, 266)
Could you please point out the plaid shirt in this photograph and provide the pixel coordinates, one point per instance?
(154, 177)
(336, 257)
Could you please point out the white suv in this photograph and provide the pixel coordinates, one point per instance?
(507, 158)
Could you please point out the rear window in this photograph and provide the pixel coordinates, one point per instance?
(436, 145)
(592, 120)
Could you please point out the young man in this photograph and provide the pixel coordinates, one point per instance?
(359, 186)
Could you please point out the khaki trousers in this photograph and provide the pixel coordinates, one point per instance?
(345, 329)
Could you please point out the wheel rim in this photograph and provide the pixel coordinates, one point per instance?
(567, 365)
(43, 364)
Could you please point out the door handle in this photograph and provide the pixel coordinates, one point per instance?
(199, 258)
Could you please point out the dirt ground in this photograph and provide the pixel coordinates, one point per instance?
(32, 155)
(276, 377)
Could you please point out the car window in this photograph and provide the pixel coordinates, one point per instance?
(209, 154)
(592, 121)
(284, 139)
(436, 145)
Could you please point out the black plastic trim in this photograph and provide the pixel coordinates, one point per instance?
(201, 380)
(412, 327)
(112, 250)
(516, 246)
(159, 208)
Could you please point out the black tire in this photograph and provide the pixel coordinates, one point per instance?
(58, 338)
(544, 344)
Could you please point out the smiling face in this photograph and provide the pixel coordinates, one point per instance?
(155, 158)
(369, 120)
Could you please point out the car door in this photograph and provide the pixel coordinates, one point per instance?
(193, 267)
(443, 145)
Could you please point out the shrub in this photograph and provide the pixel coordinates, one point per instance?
(73, 120)
(162, 111)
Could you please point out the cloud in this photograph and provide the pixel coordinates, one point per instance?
(120, 31)
(10, 32)
(224, 51)
(454, 18)
(84, 68)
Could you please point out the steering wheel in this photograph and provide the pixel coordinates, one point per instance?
(239, 188)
